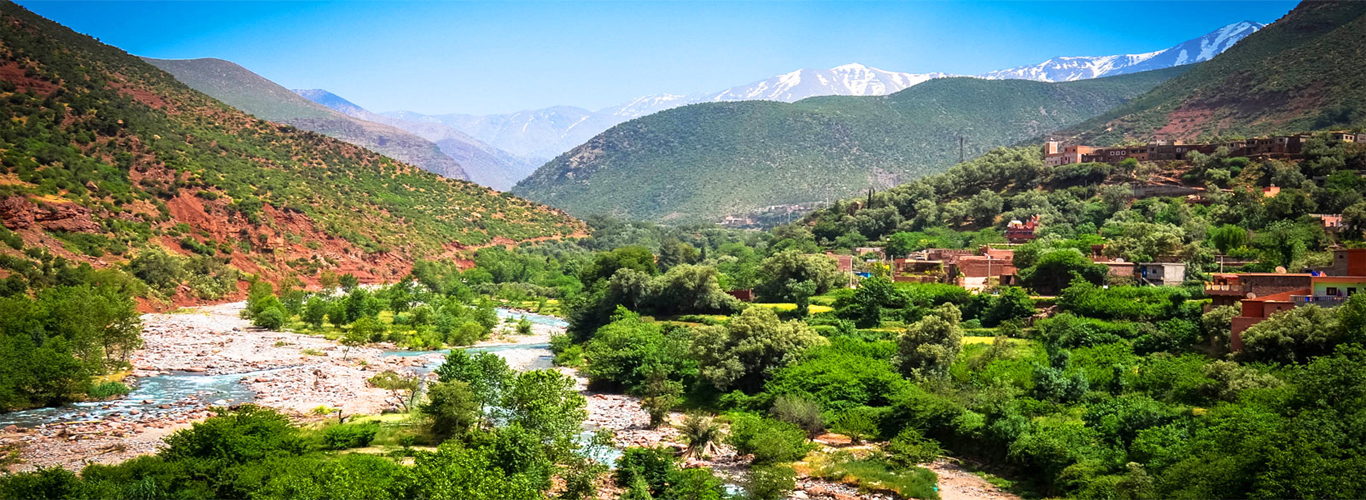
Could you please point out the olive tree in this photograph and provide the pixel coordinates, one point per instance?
(741, 353)
(930, 346)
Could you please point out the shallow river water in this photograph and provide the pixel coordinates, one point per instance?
(150, 394)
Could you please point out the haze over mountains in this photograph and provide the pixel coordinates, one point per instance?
(484, 164)
(240, 88)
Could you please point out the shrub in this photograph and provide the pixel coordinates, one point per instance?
(358, 435)
(769, 440)
(800, 412)
(772, 482)
(858, 423)
(909, 447)
(108, 390)
(650, 465)
(271, 318)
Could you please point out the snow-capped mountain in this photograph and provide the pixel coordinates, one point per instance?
(849, 79)
(1066, 69)
(545, 133)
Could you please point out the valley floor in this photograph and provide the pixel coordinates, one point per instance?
(293, 373)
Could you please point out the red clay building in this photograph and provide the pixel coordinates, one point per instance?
(1345, 278)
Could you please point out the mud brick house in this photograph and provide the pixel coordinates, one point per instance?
(1346, 277)
(1022, 232)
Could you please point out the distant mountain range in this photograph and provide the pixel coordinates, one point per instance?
(240, 88)
(1067, 69)
(707, 160)
(499, 150)
(545, 133)
(483, 164)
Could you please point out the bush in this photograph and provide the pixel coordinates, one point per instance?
(650, 465)
(909, 448)
(108, 390)
(772, 482)
(769, 440)
(800, 412)
(271, 318)
(858, 423)
(340, 437)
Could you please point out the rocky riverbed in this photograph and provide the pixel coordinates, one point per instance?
(231, 362)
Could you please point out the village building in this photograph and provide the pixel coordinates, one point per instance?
(1022, 232)
(1282, 146)
(1161, 273)
(1330, 288)
(1331, 222)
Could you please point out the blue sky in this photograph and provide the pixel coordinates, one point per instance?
(491, 57)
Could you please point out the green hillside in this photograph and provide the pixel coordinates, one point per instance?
(104, 154)
(704, 161)
(1303, 72)
(240, 88)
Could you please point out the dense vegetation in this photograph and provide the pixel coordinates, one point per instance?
(124, 154)
(78, 323)
(1083, 205)
(1286, 77)
(704, 161)
(264, 99)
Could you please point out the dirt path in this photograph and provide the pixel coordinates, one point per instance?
(955, 483)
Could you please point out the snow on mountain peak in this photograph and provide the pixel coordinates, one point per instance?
(1069, 68)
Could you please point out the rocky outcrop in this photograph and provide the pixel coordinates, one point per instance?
(19, 212)
(67, 217)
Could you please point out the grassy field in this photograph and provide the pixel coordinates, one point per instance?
(788, 306)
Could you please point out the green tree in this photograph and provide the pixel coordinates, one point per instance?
(1227, 237)
(743, 352)
(546, 404)
(1056, 268)
(930, 346)
(315, 312)
(1293, 336)
(402, 388)
(452, 408)
(777, 271)
(486, 373)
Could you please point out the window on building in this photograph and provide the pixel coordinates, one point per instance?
(1332, 290)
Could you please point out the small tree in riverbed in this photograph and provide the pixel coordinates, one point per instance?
(404, 389)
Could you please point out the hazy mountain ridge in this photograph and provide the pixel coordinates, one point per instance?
(242, 89)
(484, 164)
(548, 132)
